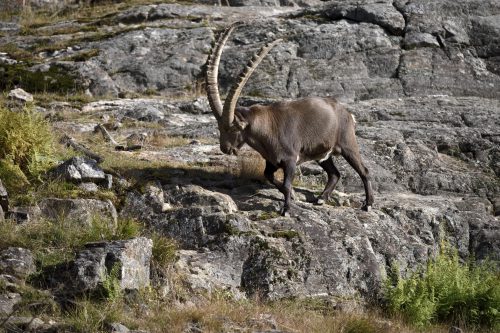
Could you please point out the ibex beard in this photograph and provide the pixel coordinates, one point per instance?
(285, 133)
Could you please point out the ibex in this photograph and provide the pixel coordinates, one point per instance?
(285, 133)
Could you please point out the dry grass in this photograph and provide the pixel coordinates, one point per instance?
(223, 315)
(31, 19)
(163, 140)
(251, 166)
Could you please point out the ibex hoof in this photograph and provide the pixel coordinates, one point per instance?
(366, 208)
(320, 201)
(285, 212)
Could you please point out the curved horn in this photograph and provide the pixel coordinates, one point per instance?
(234, 93)
(213, 71)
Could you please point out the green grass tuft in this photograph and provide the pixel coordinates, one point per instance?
(465, 294)
(164, 250)
(92, 316)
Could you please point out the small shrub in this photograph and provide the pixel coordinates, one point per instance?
(26, 143)
(466, 294)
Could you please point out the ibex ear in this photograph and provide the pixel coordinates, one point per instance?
(239, 121)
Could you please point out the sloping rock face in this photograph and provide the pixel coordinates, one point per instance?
(353, 50)
(318, 251)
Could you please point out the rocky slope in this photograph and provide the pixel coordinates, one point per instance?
(422, 78)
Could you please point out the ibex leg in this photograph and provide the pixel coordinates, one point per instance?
(269, 174)
(289, 171)
(333, 177)
(354, 159)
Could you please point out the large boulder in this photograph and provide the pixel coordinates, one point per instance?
(128, 259)
(80, 211)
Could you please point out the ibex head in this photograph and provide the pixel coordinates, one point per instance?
(230, 126)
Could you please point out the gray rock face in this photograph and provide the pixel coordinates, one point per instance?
(80, 169)
(319, 251)
(145, 60)
(97, 261)
(352, 51)
(81, 211)
(17, 262)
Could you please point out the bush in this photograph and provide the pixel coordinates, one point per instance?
(26, 144)
(447, 290)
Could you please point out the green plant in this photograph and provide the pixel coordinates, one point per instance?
(111, 289)
(467, 294)
(26, 143)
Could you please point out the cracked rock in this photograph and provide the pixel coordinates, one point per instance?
(128, 259)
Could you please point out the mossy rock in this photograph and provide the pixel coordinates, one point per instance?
(287, 234)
